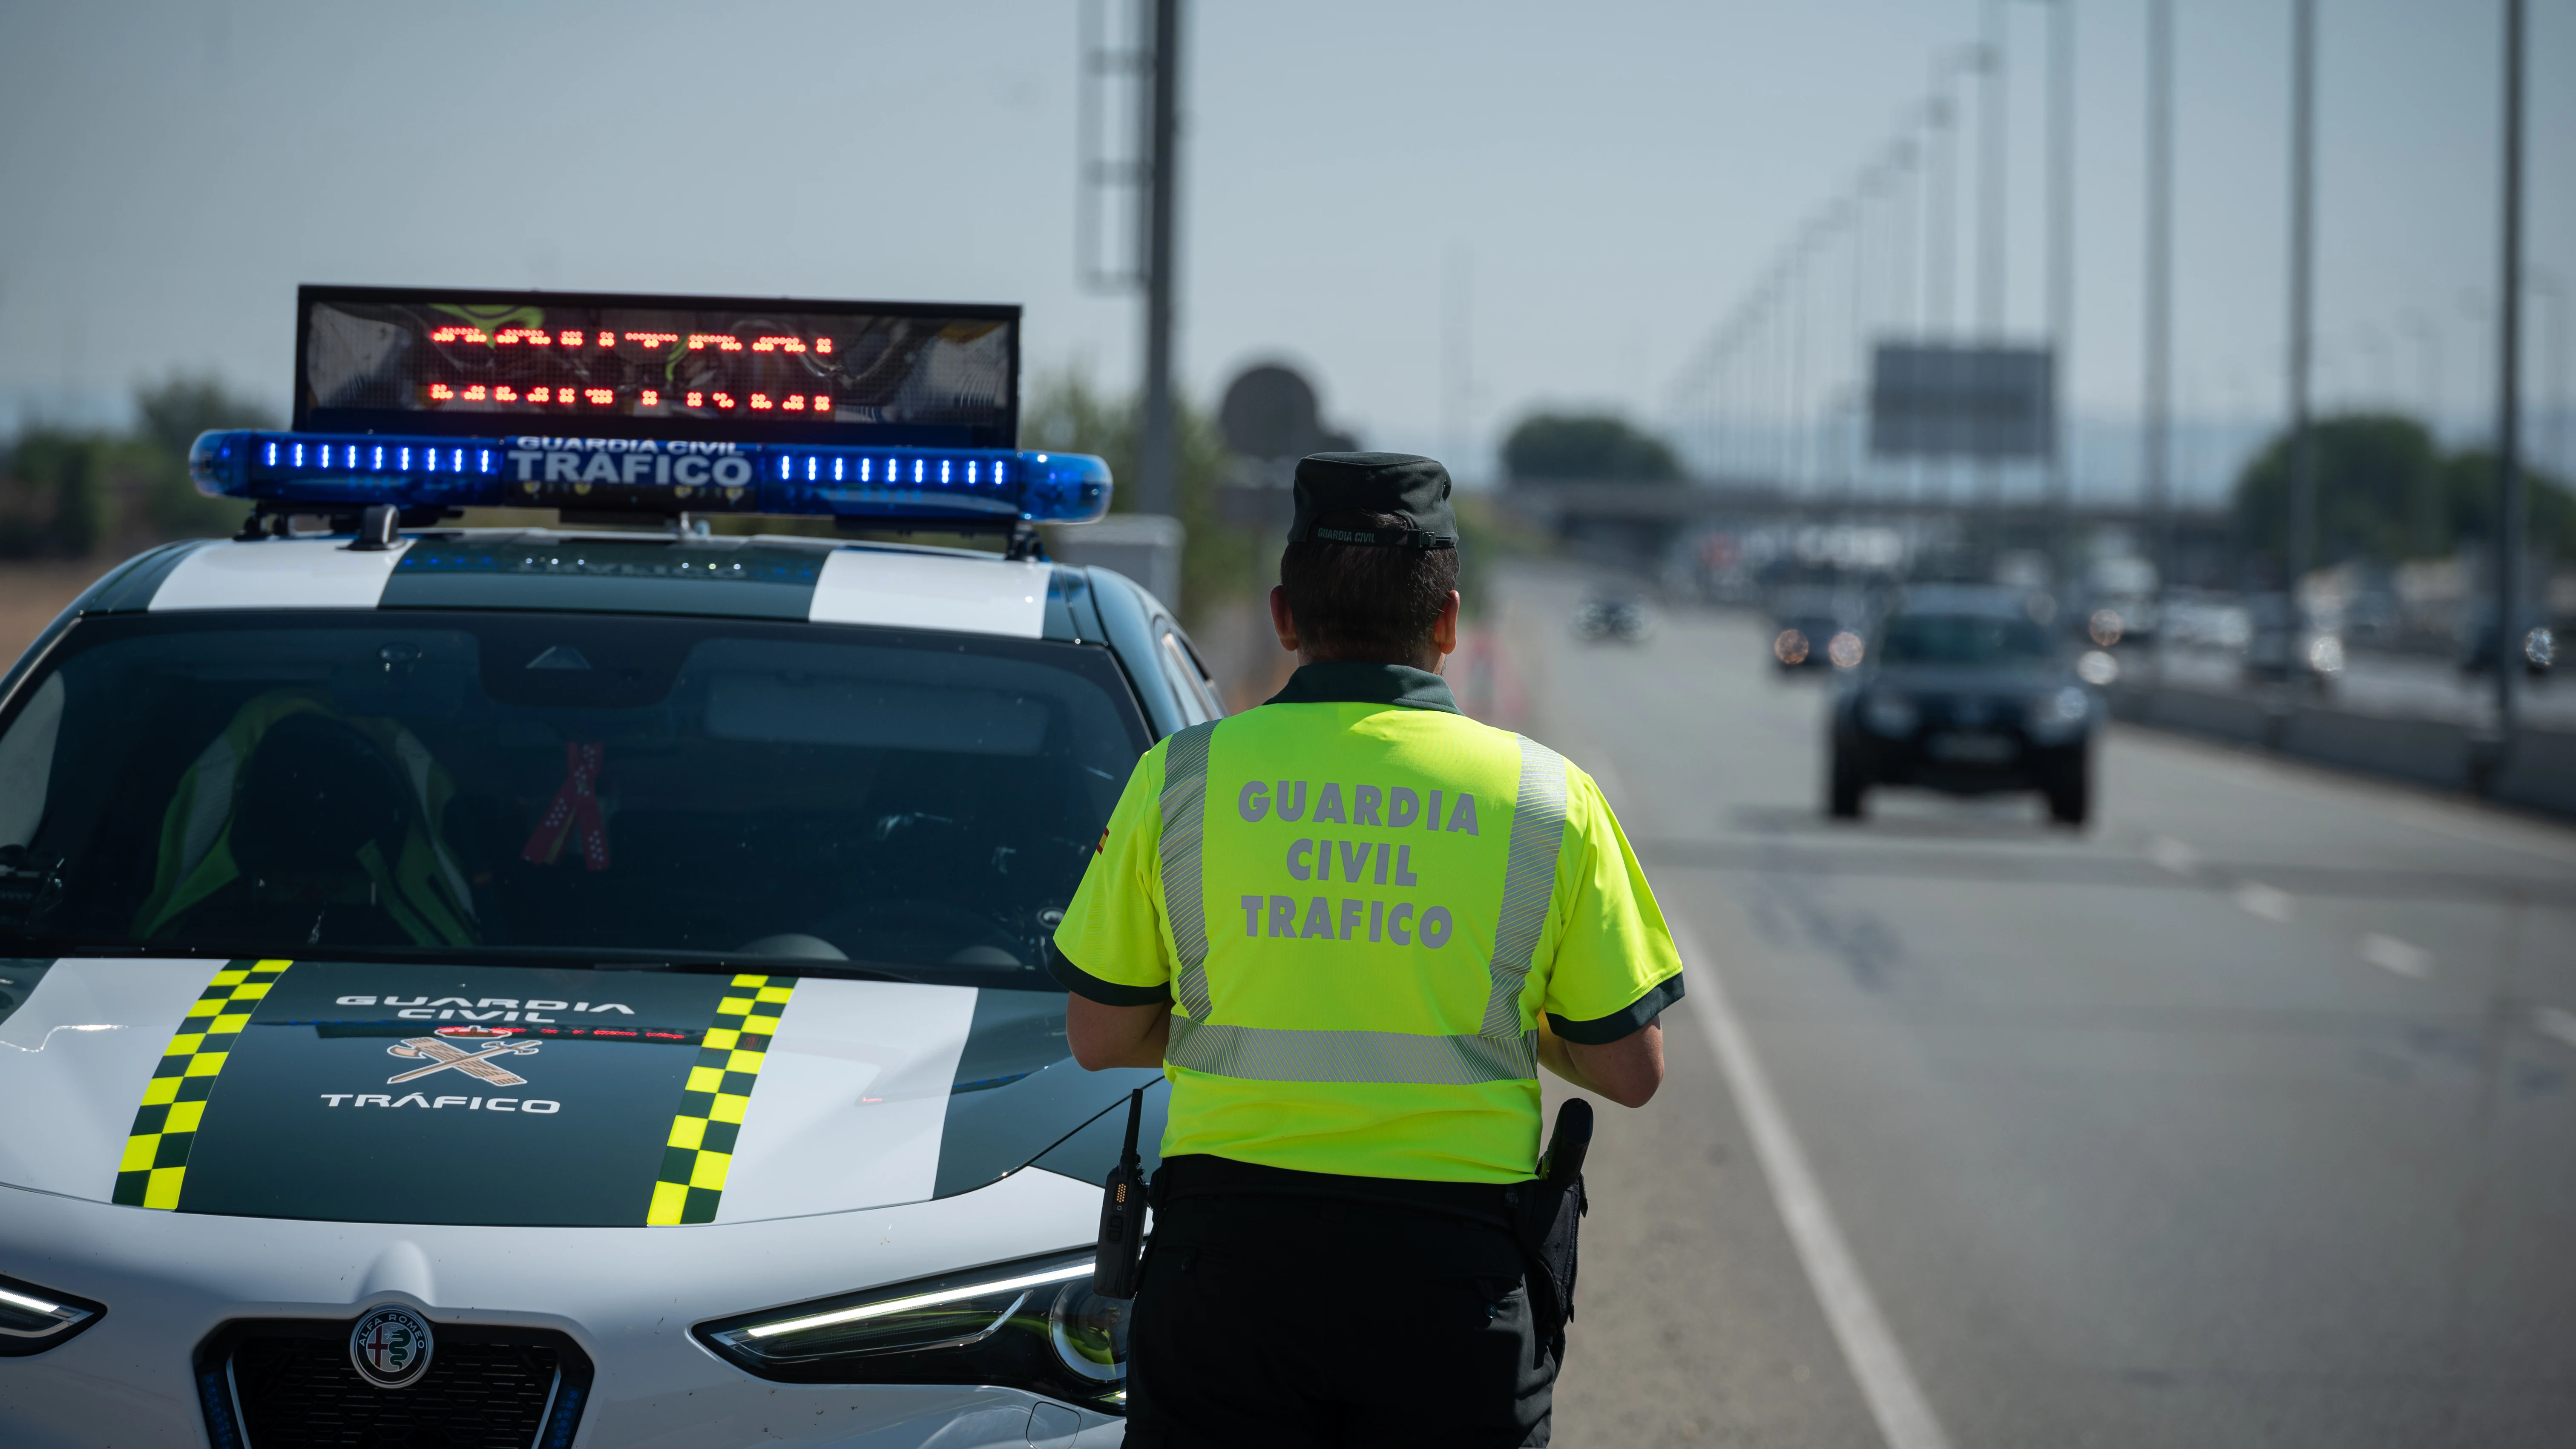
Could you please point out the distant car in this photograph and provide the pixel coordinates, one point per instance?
(1814, 628)
(1611, 616)
(2539, 646)
(2287, 645)
(1965, 693)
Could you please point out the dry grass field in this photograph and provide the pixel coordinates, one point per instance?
(31, 594)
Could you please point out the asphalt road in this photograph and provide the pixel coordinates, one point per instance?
(2245, 1117)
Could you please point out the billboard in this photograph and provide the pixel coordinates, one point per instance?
(1991, 404)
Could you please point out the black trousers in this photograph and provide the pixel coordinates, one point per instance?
(1297, 1322)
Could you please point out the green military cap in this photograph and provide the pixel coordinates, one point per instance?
(1413, 488)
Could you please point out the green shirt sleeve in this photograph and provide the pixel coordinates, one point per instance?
(1615, 967)
(1113, 945)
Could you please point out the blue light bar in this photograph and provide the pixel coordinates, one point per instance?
(329, 472)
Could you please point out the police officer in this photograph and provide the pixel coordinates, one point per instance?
(1349, 925)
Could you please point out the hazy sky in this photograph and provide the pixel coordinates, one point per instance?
(1605, 180)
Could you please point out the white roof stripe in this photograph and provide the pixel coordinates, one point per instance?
(279, 573)
(907, 590)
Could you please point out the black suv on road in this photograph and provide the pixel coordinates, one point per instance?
(1964, 691)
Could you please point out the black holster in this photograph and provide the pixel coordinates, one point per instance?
(1547, 1219)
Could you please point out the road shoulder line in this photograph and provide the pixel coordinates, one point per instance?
(1887, 1382)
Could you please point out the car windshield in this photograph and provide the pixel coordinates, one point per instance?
(1962, 639)
(474, 786)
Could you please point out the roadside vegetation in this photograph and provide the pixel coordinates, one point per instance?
(73, 493)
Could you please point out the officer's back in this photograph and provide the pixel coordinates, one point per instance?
(1349, 925)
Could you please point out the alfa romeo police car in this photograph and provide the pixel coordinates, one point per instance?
(575, 985)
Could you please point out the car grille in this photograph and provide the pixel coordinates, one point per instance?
(290, 1385)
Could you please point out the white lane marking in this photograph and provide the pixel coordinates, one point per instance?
(2270, 902)
(2403, 957)
(2556, 1021)
(1896, 1400)
(2173, 855)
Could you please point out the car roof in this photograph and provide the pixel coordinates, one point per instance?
(764, 576)
(768, 576)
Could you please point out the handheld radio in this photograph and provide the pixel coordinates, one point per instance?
(1115, 1265)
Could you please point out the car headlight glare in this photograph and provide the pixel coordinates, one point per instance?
(1845, 650)
(2325, 654)
(34, 1319)
(1892, 715)
(1790, 647)
(1034, 1325)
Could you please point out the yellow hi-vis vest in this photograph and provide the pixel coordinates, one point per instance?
(1358, 901)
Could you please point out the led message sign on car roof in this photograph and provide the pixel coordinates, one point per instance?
(482, 364)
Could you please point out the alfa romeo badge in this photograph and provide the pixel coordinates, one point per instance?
(390, 1347)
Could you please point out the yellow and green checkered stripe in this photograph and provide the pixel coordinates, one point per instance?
(700, 1149)
(165, 1126)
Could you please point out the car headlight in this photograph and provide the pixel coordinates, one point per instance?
(2098, 668)
(2325, 654)
(2055, 715)
(1892, 715)
(1034, 1324)
(34, 1319)
(1790, 647)
(1845, 650)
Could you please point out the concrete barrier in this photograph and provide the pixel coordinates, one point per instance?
(2223, 716)
(2539, 773)
(2426, 751)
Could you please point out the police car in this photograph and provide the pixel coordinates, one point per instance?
(575, 985)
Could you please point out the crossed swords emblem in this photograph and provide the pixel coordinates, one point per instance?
(478, 1065)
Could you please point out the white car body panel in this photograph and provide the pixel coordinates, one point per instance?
(83, 1045)
(852, 1100)
(279, 573)
(905, 589)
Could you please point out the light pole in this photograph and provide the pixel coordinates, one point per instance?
(2303, 474)
(2061, 261)
(1159, 457)
(1990, 220)
(2509, 502)
(2157, 436)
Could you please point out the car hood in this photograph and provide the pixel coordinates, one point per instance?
(370, 1092)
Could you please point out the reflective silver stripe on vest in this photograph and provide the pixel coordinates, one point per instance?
(1529, 882)
(1283, 1054)
(1184, 807)
(1500, 1052)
